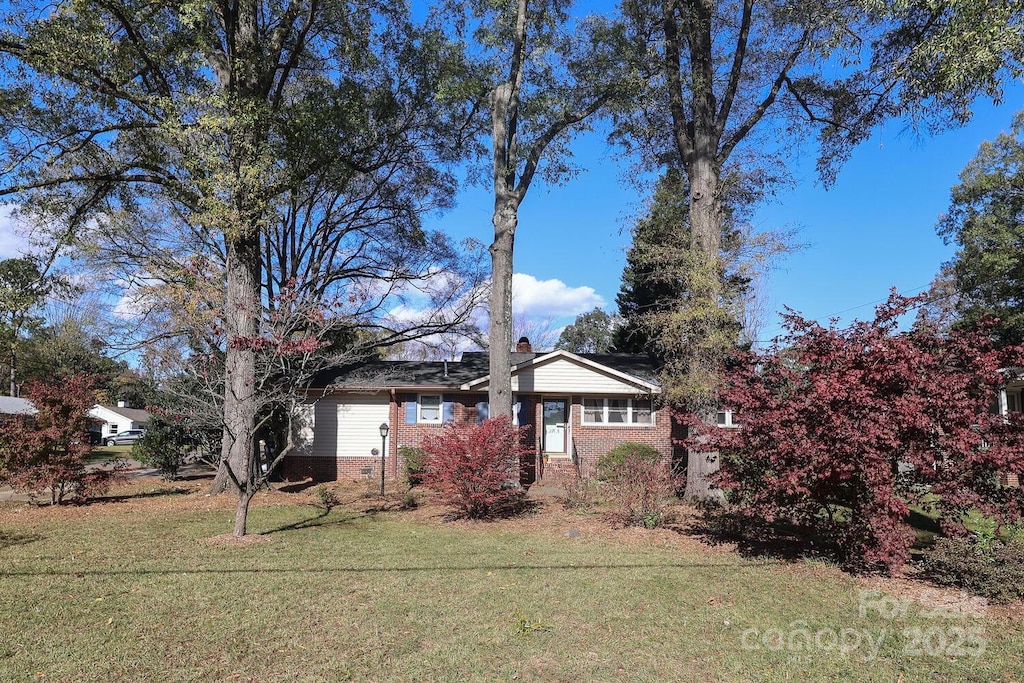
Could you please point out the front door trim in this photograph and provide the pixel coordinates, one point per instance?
(556, 432)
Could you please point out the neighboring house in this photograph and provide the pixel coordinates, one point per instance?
(1011, 400)
(10, 405)
(575, 408)
(109, 420)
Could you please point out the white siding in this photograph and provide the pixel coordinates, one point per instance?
(110, 419)
(563, 376)
(342, 426)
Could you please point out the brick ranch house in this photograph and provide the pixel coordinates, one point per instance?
(575, 408)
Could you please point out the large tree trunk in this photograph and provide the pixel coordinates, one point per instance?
(707, 351)
(241, 313)
(242, 304)
(500, 334)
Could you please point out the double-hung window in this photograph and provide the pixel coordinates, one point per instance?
(617, 411)
(429, 409)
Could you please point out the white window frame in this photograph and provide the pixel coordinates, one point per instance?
(113, 428)
(630, 412)
(419, 409)
(729, 422)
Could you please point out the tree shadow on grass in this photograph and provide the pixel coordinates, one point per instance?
(759, 539)
(9, 539)
(297, 487)
(142, 495)
(317, 520)
(790, 542)
(522, 507)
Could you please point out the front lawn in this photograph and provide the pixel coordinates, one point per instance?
(129, 590)
(106, 453)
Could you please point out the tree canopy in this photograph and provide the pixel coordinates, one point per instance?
(986, 221)
(210, 155)
(590, 333)
(548, 75)
(744, 83)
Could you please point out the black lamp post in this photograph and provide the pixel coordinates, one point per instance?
(383, 450)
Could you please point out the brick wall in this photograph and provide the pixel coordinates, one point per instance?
(332, 469)
(401, 434)
(591, 442)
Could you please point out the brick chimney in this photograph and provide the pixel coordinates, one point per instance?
(523, 346)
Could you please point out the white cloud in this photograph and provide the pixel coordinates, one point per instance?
(540, 308)
(551, 298)
(12, 245)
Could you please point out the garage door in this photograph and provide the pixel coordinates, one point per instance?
(347, 426)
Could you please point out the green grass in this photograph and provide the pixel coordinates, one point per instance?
(101, 595)
(105, 453)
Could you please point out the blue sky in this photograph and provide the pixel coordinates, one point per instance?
(872, 231)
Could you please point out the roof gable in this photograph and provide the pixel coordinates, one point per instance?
(563, 371)
(555, 371)
(130, 414)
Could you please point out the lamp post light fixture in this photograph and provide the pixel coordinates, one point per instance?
(384, 429)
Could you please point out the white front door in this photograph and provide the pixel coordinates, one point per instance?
(555, 425)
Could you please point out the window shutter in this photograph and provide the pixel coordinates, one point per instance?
(410, 409)
(447, 410)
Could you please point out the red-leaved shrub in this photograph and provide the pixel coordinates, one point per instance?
(843, 430)
(47, 452)
(475, 467)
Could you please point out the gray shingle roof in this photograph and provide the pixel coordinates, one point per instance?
(133, 414)
(400, 374)
(10, 405)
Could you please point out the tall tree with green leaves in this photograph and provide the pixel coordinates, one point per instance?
(23, 289)
(986, 221)
(214, 118)
(654, 279)
(643, 290)
(550, 73)
(590, 333)
(726, 77)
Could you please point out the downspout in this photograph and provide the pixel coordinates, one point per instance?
(393, 433)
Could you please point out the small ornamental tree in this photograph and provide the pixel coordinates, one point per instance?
(474, 467)
(47, 451)
(166, 445)
(842, 430)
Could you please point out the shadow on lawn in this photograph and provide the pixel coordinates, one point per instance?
(384, 569)
(316, 520)
(141, 495)
(755, 539)
(297, 487)
(9, 540)
(790, 542)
